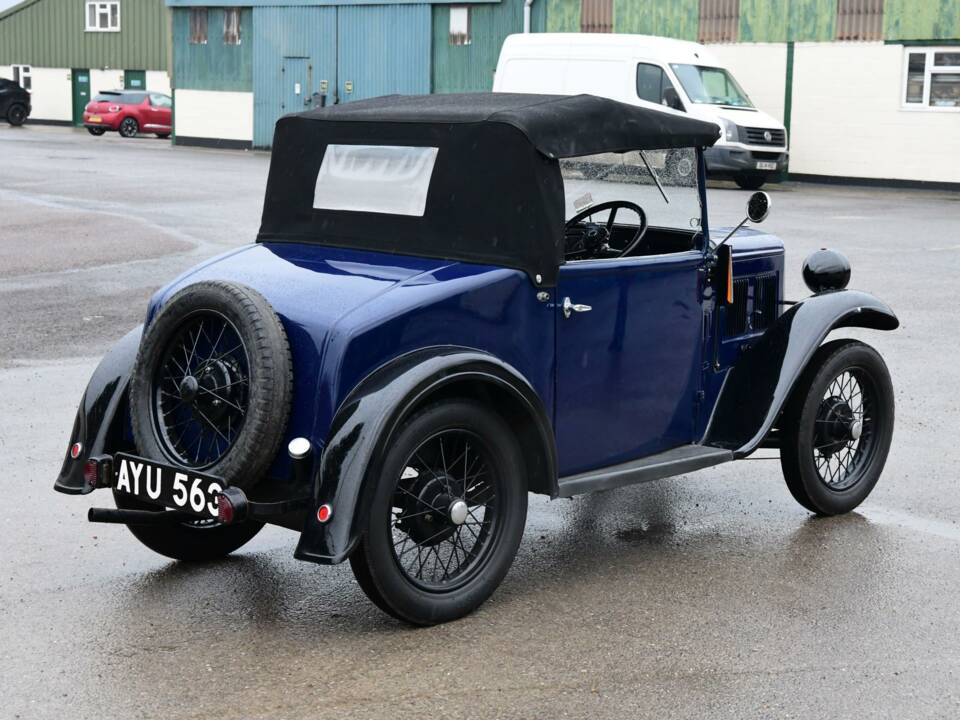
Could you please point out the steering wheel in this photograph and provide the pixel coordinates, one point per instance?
(586, 240)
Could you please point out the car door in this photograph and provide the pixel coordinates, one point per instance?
(628, 358)
(160, 112)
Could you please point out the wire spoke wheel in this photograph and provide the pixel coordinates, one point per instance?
(844, 429)
(201, 390)
(444, 513)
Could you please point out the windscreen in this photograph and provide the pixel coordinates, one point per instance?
(662, 182)
(711, 86)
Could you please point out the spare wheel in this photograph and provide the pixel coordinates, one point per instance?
(212, 383)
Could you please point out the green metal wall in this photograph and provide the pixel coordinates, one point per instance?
(469, 68)
(213, 66)
(563, 15)
(677, 19)
(51, 33)
(926, 20)
(782, 20)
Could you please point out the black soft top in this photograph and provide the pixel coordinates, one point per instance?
(495, 196)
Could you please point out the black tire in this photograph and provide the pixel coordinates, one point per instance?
(17, 114)
(129, 127)
(258, 373)
(830, 465)
(163, 136)
(378, 565)
(750, 181)
(192, 542)
(96, 131)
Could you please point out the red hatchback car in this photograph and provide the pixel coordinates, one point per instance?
(129, 112)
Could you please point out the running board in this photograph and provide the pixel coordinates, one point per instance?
(677, 461)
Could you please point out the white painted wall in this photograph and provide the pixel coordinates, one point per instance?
(50, 94)
(847, 119)
(761, 70)
(158, 81)
(212, 114)
(101, 80)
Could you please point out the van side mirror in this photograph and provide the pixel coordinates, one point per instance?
(671, 98)
(758, 207)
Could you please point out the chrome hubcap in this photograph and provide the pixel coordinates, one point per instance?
(458, 512)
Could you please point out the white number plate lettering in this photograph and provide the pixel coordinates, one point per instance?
(174, 487)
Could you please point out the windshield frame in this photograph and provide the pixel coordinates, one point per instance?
(680, 69)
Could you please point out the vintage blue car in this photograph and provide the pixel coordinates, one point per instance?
(457, 300)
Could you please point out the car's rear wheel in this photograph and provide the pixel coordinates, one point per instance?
(17, 114)
(96, 131)
(446, 515)
(196, 541)
(163, 136)
(129, 127)
(750, 181)
(211, 386)
(837, 428)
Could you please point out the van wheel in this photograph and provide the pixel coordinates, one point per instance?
(837, 428)
(750, 181)
(446, 516)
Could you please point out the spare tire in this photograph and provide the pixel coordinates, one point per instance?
(212, 383)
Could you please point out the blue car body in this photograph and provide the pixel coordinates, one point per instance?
(661, 377)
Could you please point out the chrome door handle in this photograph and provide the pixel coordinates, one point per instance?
(572, 307)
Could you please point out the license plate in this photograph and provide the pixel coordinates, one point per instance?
(766, 165)
(167, 485)
(94, 118)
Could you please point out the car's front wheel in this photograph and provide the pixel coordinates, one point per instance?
(17, 114)
(837, 428)
(446, 516)
(129, 127)
(96, 131)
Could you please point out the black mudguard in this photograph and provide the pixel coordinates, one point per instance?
(369, 418)
(99, 417)
(758, 386)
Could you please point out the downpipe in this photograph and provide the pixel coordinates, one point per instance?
(527, 6)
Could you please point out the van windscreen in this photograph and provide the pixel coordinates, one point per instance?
(710, 85)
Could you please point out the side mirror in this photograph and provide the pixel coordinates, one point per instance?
(758, 207)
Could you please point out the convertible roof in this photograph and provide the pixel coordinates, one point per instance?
(559, 126)
(495, 195)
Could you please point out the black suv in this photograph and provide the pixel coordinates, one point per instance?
(14, 102)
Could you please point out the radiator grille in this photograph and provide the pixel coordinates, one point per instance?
(737, 312)
(758, 136)
(765, 301)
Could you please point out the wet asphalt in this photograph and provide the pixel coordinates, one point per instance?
(712, 595)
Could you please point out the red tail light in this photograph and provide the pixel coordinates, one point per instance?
(225, 509)
(113, 108)
(91, 473)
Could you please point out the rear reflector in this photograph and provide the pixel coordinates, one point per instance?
(324, 513)
(75, 450)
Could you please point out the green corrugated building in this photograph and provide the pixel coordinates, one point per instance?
(65, 51)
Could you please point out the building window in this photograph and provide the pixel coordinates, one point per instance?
(859, 19)
(198, 26)
(103, 16)
(21, 75)
(719, 21)
(931, 78)
(596, 16)
(231, 26)
(459, 25)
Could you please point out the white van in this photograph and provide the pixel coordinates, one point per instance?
(648, 70)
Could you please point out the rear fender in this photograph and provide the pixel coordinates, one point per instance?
(98, 426)
(370, 417)
(758, 386)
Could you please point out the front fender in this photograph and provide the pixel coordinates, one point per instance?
(757, 387)
(368, 419)
(95, 426)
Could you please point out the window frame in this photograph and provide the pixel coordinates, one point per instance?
(460, 39)
(196, 12)
(21, 72)
(98, 6)
(227, 12)
(929, 69)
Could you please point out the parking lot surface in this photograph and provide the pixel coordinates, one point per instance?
(711, 595)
